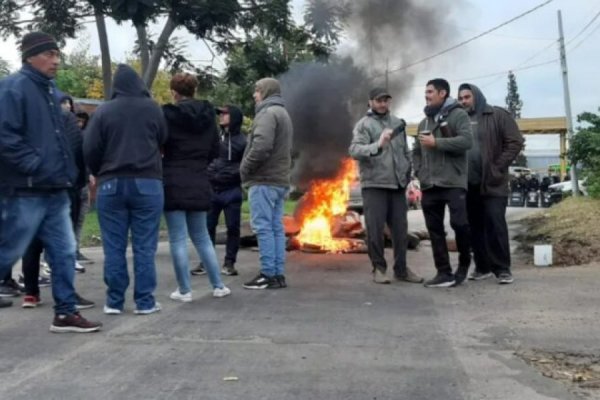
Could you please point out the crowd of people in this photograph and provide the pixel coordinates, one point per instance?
(190, 161)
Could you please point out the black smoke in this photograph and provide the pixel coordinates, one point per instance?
(326, 100)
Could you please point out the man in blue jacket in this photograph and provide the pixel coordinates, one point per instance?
(36, 169)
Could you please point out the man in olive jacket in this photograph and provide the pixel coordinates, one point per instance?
(379, 145)
(497, 142)
(440, 160)
(265, 170)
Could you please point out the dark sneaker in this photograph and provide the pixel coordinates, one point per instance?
(505, 278)
(409, 277)
(480, 276)
(229, 269)
(441, 281)
(83, 260)
(5, 303)
(260, 282)
(9, 288)
(199, 270)
(42, 282)
(82, 303)
(277, 282)
(73, 323)
(460, 275)
(31, 301)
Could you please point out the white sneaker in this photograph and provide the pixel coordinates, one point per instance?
(221, 292)
(111, 311)
(152, 310)
(79, 268)
(177, 296)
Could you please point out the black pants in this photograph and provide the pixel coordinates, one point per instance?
(230, 203)
(31, 259)
(434, 204)
(489, 232)
(381, 207)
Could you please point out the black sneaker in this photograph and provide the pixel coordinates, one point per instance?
(82, 303)
(5, 303)
(277, 282)
(9, 288)
(229, 269)
(42, 282)
(199, 270)
(260, 282)
(460, 275)
(81, 259)
(441, 281)
(73, 323)
(505, 278)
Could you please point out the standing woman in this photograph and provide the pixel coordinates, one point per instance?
(122, 150)
(193, 143)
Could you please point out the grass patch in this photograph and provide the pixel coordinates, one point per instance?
(572, 227)
(90, 234)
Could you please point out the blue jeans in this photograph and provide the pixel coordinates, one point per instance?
(180, 224)
(230, 203)
(266, 214)
(124, 204)
(46, 217)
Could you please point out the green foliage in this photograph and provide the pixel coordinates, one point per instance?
(514, 104)
(78, 72)
(585, 150)
(4, 68)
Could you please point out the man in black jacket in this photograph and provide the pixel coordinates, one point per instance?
(224, 175)
(36, 169)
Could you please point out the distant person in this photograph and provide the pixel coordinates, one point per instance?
(496, 144)
(122, 149)
(440, 161)
(380, 147)
(224, 176)
(265, 170)
(193, 143)
(36, 170)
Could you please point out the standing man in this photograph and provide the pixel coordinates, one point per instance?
(497, 143)
(265, 170)
(440, 159)
(379, 145)
(36, 170)
(224, 176)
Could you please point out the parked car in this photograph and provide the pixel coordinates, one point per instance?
(567, 187)
(413, 195)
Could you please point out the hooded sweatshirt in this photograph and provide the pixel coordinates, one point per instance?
(193, 143)
(224, 171)
(124, 135)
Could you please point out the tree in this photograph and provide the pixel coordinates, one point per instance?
(514, 104)
(585, 150)
(79, 71)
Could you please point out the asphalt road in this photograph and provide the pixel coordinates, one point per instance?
(333, 334)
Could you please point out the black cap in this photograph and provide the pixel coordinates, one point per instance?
(35, 43)
(222, 110)
(378, 92)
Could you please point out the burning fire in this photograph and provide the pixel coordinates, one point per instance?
(325, 199)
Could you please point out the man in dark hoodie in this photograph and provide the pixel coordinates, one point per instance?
(497, 142)
(440, 161)
(265, 170)
(36, 169)
(122, 149)
(224, 175)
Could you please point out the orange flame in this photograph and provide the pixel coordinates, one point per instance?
(325, 199)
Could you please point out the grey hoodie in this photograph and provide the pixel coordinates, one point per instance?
(475, 113)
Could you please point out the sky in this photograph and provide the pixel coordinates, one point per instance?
(528, 41)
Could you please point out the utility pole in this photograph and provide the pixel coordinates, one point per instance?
(387, 74)
(565, 76)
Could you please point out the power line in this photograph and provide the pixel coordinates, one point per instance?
(469, 40)
(594, 18)
(585, 38)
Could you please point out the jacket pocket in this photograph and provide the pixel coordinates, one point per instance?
(149, 187)
(108, 188)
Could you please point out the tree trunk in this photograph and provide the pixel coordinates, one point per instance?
(158, 52)
(143, 45)
(105, 53)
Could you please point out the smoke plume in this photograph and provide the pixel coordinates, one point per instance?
(326, 100)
